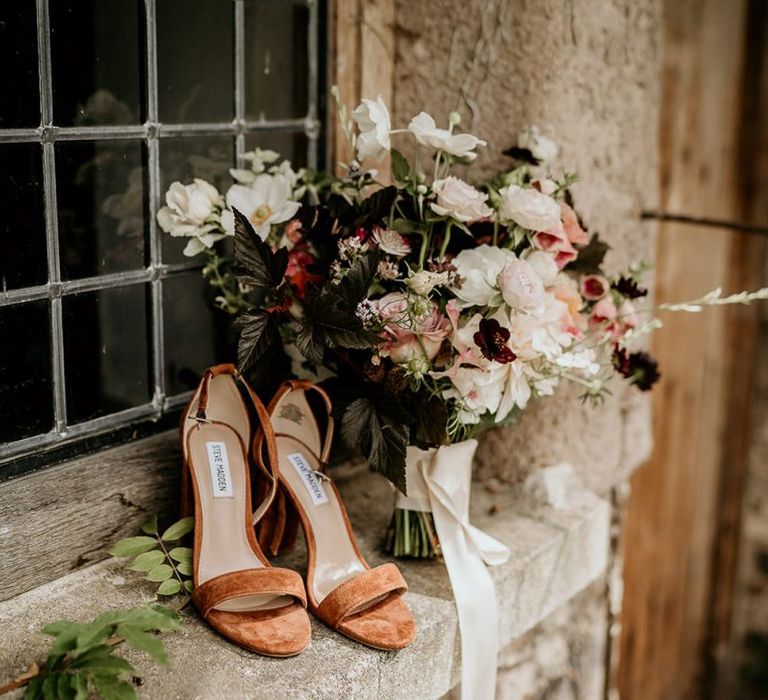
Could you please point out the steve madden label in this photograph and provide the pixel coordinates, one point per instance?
(308, 477)
(221, 477)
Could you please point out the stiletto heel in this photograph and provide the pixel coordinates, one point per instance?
(236, 591)
(342, 590)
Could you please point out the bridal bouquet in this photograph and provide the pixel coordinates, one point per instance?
(432, 308)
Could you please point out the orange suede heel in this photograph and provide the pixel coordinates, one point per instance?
(236, 591)
(342, 590)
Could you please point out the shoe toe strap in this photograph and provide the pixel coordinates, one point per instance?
(354, 594)
(239, 584)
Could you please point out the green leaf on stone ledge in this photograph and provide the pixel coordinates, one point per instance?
(131, 546)
(178, 530)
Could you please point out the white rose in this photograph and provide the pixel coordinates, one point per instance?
(424, 281)
(458, 199)
(529, 208)
(266, 202)
(192, 210)
(478, 269)
(544, 263)
(372, 117)
(521, 287)
(542, 149)
(423, 127)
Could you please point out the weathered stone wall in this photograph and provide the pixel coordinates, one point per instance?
(587, 73)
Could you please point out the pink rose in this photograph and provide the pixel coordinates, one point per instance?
(594, 287)
(576, 234)
(409, 338)
(521, 287)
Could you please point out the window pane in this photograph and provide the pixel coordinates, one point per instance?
(26, 401)
(197, 334)
(276, 59)
(183, 159)
(106, 350)
(23, 262)
(289, 144)
(18, 57)
(101, 195)
(97, 58)
(195, 49)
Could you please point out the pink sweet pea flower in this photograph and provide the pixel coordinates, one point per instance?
(573, 230)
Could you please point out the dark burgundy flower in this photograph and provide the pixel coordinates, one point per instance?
(492, 340)
(628, 288)
(639, 367)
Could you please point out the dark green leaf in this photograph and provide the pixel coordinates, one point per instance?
(169, 587)
(80, 684)
(431, 429)
(150, 527)
(34, 689)
(377, 207)
(112, 689)
(162, 572)
(143, 641)
(131, 546)
(99, 652)
(353, 287)
(107, 665)
(49, 686)
(148, 560)
(256, 265)
(400, 167)
(259, 334)
(179, 529)
(189, 586)
(382, 438)
(590, 258)
(328, 324)
(64, 687)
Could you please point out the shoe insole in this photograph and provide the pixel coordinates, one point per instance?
(335, 557)
(218, 467)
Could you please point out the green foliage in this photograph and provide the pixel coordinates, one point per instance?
(400, 166)
(159, 557)
(82, 662)
(259, 334)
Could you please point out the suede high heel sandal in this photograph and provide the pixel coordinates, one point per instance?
(342, 590)
(236, 591)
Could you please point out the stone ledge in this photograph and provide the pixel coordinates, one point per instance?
(555, 554)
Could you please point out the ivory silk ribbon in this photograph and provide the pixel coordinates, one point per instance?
(439, 480)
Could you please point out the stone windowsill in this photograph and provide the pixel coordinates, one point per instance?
(555, 554)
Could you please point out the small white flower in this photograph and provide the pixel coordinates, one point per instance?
(423, 127)
(460, 200)
(266, 202)
(542, 149)
(259, 159)
(529, 208)
(479, 269)
(192, 210)
(388, 270)
(391, 242)
(521, 287)
(372, 117)
(424, 281)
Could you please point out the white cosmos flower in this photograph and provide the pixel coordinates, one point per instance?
(460, 200)
(423, 127)
(372, 117)
(266, 202)
(479, 270)
(192, 210)
(542, 149)
(529, 208)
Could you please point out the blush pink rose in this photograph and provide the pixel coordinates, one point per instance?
(521, 287)
(407, 339)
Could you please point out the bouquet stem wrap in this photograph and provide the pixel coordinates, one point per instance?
(439, 480)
